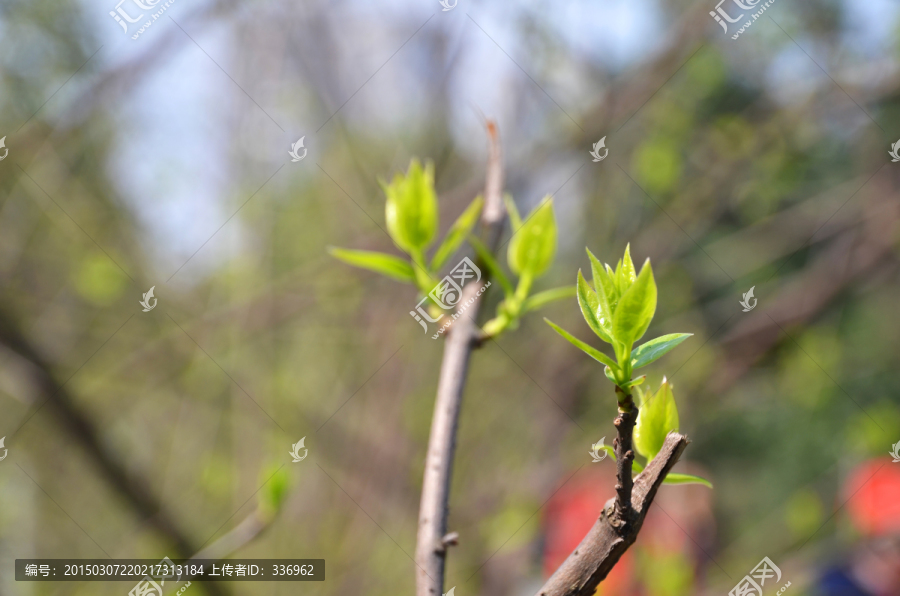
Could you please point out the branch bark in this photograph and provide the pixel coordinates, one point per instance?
(606, 542)
(431, 546)
(134, 488)
(624, 447)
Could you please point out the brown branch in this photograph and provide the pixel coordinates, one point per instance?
(134, 488)
(601, 549)
(431, 548)
(624, 446)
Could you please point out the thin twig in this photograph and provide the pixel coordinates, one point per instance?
(431, 548)
(235, 539)
(606, 542)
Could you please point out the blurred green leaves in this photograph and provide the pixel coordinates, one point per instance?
(531, 251)
(98, 280)
(533, 245)
(387, 265)
(411, 211)
(657, 165)
(275, 487)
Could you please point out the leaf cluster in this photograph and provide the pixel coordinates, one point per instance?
(411, 213)
(618, 306)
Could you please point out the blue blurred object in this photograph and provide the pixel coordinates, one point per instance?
(837, 581)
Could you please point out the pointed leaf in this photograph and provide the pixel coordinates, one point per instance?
(634, 382)
(607, 294)
(636, 308)
(547, 296)
(650, 351)
(457, 233)
(515, 220)
(629, 275)
(533, 247)
(587, 300)
(657, 417)
(609, 375)
(590, 351)
(411, 210)
(492, 265)
(388, 265)
(672, 478)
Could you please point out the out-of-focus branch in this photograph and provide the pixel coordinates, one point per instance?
(134, 488)
(606, 542)
(431, 546)
(236, 538)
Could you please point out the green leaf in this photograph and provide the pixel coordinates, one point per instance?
(492, 265)
(412, 210)
(609, 375)
(607, 294)
(657, 417)
(274, 491)
(650, 351)
(629, 275)
(533, 247)
(547, 296)
(457, 233)
(388, 265)
(636, 308)
(672, 478)
(590, 351)
(515, 220)
(634, 382)
(587, 300)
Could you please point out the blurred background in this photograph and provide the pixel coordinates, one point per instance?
(158, 157)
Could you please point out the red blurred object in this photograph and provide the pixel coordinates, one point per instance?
(872, 493)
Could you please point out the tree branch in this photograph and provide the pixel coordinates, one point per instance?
(624, 447)
(431, 548)
(601, 549)
(134, 488)
(236, 538)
